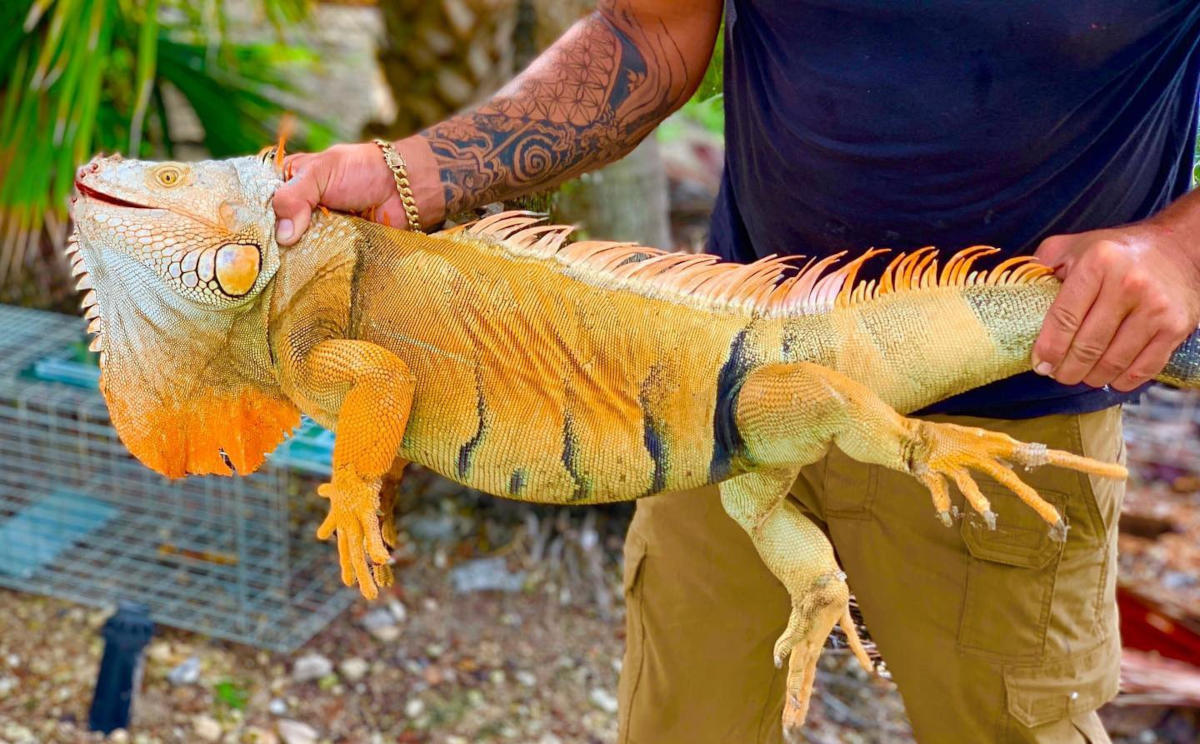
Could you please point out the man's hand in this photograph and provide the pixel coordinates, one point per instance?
(346, 178)
(1130, 295)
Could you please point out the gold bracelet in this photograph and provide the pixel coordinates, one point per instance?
(400, 172)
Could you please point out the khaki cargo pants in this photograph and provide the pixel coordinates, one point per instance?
(1004, 636)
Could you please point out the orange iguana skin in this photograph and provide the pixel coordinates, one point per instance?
(512, 362)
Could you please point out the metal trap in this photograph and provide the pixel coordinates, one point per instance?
(81, 519)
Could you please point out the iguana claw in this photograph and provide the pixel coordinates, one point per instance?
(944, 451)
(354, 515)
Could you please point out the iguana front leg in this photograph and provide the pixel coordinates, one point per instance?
(369, 391)
(787, 416)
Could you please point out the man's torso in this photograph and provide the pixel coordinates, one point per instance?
(859, 123)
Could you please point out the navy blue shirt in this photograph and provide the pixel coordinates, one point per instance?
(905, 123)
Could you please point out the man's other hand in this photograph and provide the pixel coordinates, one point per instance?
(346, 178)
(1130, 296)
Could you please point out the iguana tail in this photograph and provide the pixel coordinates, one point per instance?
(919, 334)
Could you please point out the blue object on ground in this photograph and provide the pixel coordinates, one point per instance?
(36, 535)
(126, 633)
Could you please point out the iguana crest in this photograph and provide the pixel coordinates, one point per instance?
(773, 286)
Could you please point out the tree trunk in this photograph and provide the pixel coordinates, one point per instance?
(441, 56)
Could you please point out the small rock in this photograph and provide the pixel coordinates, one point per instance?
(7, 685)
(549, 738)
(17, 734)
(433, 675)
(1178, 580)
(256, 735)
(398, 610)
(118, 736)
(353, 669)
(186, 673)
(277, 707)
(310, 667)
(603, 699)
(431, 529)
(206, 727)
(414, 707)
(381, 623)
(526, 678)
(497, 677)
(484, 574)
(160, 651)
(13, 660)
(295, 732)
(452, 739)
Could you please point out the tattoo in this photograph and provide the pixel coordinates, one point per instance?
(600, 89)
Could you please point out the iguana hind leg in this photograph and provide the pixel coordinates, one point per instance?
(800, 556)
(786, 416)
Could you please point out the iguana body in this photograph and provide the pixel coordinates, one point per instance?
(507, 360)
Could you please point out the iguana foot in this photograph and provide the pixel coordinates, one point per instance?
(389, 488)
(940, 450)
(354, 515)
(387, 530)
(814, 613)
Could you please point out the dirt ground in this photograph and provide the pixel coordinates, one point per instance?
(538, 665)
(432, 662)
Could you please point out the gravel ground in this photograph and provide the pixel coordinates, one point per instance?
(484, 666)
(436, 660)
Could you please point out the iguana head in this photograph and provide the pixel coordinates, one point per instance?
(175, 259)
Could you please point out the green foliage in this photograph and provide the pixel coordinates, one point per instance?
(714, 76)
(80, 76)
(230, 694)
(706, 107)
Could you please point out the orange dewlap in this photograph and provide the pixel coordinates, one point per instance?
(190, 438)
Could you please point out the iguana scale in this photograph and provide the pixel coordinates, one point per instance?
(512, 361)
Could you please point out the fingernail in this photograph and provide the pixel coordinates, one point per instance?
(1043, 368)
(283, 231)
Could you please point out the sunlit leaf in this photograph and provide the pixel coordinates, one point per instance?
(81, 76)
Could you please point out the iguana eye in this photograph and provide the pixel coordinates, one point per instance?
(167, 175)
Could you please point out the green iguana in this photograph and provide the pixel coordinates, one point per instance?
(512, 361)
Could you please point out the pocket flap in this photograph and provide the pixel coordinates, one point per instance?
(1064, 688)
(1021, 537)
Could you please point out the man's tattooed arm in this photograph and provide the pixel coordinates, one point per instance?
(588, 100)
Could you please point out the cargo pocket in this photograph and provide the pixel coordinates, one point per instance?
(1069, 688)
(1010, 578)
(634, 659)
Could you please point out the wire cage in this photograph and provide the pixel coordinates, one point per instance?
(81, 519)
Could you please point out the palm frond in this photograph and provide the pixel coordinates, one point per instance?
(80, 76)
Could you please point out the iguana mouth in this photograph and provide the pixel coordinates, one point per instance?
(100, 196)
